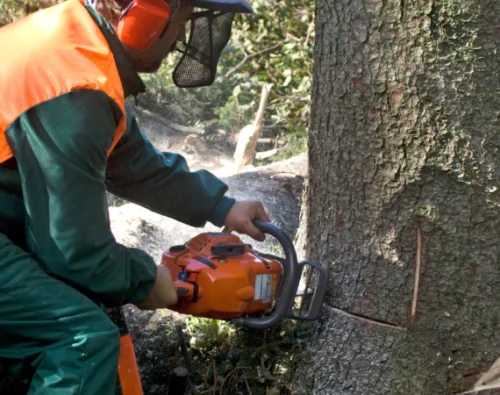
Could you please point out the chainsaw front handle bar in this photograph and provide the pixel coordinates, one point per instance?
(288, 283)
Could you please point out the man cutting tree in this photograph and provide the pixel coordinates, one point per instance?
(65, 139)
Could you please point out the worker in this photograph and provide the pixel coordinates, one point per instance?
(66, 138)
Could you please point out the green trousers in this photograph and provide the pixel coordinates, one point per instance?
(70, 343)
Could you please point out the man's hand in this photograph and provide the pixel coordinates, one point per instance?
(163, 293)
(240, 218)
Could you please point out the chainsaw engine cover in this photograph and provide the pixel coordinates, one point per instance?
(218, 276)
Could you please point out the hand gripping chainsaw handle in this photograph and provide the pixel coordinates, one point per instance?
(292, 271)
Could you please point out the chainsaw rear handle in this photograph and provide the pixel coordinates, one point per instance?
(288, 284)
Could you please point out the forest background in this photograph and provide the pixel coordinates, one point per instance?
(272, 46)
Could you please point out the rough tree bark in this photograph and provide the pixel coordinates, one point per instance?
(403, 200)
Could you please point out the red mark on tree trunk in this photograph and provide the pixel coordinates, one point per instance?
(473, 269)
(397, 97)
(357, 82)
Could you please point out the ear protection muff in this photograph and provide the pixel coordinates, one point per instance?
(143, 22)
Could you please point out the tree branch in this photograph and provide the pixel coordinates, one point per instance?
(267, 154)
(248, 57)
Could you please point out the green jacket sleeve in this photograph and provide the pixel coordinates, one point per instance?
(162, 182)
(61, 150)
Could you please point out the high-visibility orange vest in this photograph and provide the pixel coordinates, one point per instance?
(49, 53)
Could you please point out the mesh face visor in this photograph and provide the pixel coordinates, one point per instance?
(209, 33)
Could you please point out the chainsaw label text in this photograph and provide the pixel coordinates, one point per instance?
(264, 285)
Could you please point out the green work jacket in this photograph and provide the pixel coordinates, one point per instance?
(53, 200)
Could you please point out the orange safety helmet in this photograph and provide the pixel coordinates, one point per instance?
(143, 22)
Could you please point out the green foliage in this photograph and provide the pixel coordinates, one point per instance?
(290, 25)
(234, 360)
(10, 10)
(277, 43)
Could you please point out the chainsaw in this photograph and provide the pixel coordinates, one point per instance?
(217, 275)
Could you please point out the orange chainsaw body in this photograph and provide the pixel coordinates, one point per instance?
(218, 276)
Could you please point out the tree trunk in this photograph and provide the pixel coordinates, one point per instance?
(402, 202)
